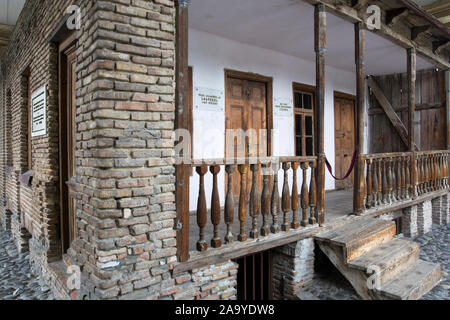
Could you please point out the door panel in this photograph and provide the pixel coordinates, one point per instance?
(344, 110)
(246, 109)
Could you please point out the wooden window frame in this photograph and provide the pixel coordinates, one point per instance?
(27, 77)
(305, 89)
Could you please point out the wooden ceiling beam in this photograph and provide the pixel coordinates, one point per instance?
(438, 45)
(392, 16)
(418, 32)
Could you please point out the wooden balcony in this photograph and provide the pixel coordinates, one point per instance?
(262, 217)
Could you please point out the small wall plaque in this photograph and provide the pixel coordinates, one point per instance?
(209, 99)
(39, 112)
(283, 107)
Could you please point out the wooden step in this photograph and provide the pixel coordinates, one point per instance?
(359, 237)
(391, 259)
(413, 282)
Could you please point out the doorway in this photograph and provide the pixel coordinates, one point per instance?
(67, 114)
(255, 277)
(345, 142)
(248, 105)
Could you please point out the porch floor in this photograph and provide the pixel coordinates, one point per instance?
(337, 204)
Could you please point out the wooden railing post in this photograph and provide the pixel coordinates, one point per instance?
(320, 41)
(286, 198)
(229, 204)
(275, 201)
(216, 242)
(411, 75)
(182, 172)
(294, 199)
(265, 200)
(305, 195)
(243, 170)
(201, 209)
(369, 198)
(255, 201)
(312, 196)
(359, 193)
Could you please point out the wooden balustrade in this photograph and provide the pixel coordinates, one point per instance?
(261, 206)
(388, 176)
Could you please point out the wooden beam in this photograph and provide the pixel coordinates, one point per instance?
(392, 16)
(320, 44)
(418, 32)
(411, 75)
(359, 193)
(358, 4)
(182, 117)
(389, 110)
(447, 95)
(352, 15)
(438, 45)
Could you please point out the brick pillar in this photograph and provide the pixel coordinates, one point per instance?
(445, 209)
(437, 213)
(293, 268)
(424, 217)
(410, 222)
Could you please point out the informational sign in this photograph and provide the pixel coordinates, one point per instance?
(283, 107)
(39, 112)
(209, 99)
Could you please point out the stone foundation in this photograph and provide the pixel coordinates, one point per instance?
(445, 203)
(410, 228)
(424, 217)
(20, 234)
(293, 268)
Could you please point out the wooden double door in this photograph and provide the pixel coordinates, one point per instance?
(344, 117)
(247, 109)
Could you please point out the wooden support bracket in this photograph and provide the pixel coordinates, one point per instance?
(392, 16)
(418, 32)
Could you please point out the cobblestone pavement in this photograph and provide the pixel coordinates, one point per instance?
(16, 282)
(434, 247)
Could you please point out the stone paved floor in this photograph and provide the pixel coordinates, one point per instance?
(16, 282)
(434, 247)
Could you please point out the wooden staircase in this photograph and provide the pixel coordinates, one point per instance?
(367, 245)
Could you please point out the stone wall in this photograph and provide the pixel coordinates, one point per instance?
(293, 268)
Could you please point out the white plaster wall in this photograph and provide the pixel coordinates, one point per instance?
(210, 55)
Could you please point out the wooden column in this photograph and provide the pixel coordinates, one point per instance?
(411, 70)
(447, 96)
(320, 44)
(182, 122)
(359, 194)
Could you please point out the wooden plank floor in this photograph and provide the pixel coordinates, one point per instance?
(337, 204)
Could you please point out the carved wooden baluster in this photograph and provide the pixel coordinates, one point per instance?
(380, 183)
(375, 183)
(407, 177)
(275, 201)
(427, 174)
(432, 172)
(305, 195)
(312, 195)
(402, 160)
(229, 204)
(286, 198)
(216, 242)
(385, 181)
(201, 209)
(437, 180)
(255, 201)
(441, 171)
(446, 170)
(390, 180)
(294, 198)
(422, 174)
(369, 199)
(243, 170)
(398, 178)
(265, 200)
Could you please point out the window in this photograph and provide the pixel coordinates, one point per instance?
(304, 120)
(8, 129)
(26, 93)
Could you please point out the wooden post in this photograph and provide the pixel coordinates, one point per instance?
(182, 122)
(447, 95)
(320, 44)
(411, 67)
(359, 194)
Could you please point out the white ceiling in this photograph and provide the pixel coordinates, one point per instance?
(287, 26)
(10, 11)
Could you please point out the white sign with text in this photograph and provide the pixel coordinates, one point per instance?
(39, 112)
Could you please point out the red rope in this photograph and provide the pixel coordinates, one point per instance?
(355, 155)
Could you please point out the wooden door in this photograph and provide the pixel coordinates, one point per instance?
(246, 108)
(344, 122)
(67, 142)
